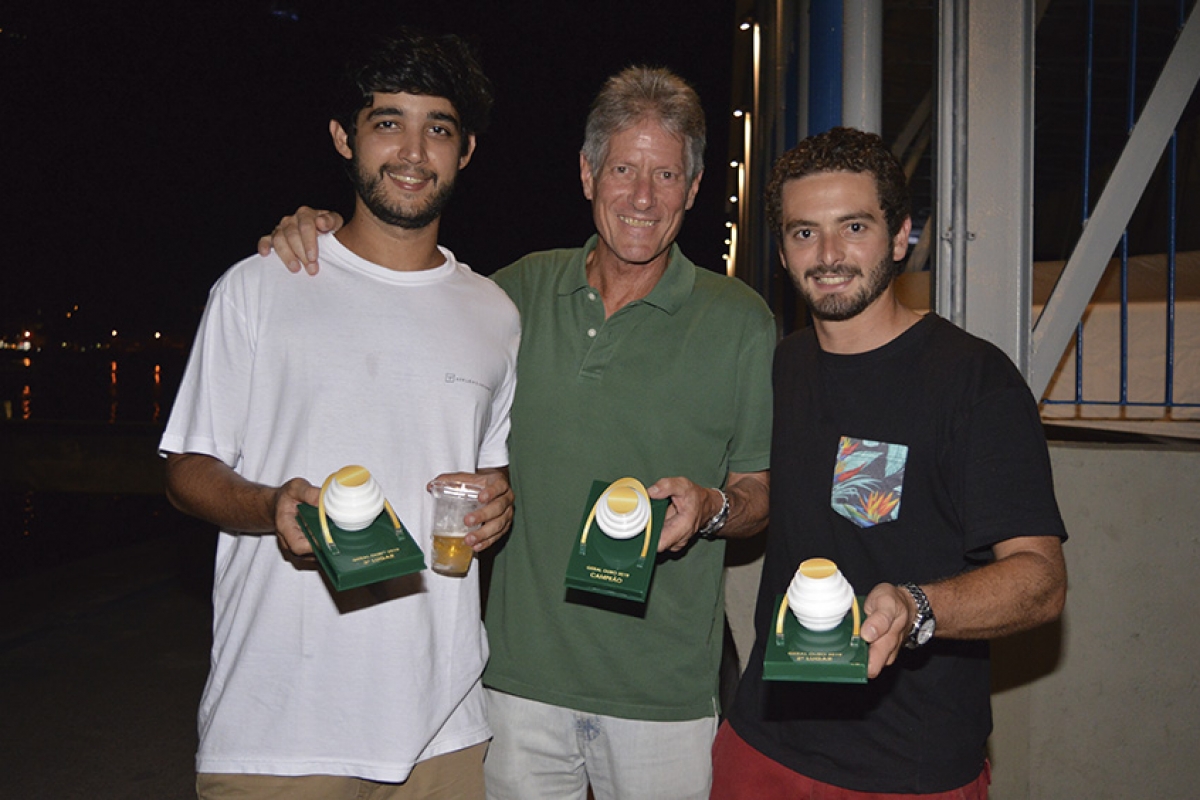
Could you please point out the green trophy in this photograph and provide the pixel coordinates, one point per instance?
(820, 639)
(618, 540)
(355, 534)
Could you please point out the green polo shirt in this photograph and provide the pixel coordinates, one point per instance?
(675, 384)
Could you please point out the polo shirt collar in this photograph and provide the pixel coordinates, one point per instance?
(669, 294)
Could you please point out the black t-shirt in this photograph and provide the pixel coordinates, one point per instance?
(906, 463)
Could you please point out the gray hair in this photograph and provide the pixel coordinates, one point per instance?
(638, 93)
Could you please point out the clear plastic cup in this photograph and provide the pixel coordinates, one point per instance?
(452, 500)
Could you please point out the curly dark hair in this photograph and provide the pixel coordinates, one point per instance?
(411, 61)
(842, 150)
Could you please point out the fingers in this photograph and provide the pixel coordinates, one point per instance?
(490, 531)
(293, 540)
(885, 627)
(288, 239)
(287, 529)
(302, 238)
(494, 516)
(675, 535)
(294, 239)
(684, 516)
(264, 248)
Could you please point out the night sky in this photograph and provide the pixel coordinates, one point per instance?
(145, 146)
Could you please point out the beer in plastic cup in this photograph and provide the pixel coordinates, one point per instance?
(452, 500)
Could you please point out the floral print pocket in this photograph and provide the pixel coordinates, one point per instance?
(868, 479)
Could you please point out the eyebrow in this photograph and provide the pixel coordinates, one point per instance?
(386, 111)
(853, 216)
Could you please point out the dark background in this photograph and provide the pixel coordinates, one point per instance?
(146, 146)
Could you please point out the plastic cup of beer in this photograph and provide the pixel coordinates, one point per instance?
(452, 500)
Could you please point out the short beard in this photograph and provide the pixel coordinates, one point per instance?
(374, 197)
(838, 308)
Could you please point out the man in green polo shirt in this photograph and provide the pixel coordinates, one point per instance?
(633, 362)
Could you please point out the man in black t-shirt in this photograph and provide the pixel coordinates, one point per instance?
(911, 454)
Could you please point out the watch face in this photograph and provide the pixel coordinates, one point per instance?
(925, 632)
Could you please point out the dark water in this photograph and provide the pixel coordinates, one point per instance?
(42, 530)
(94, 386)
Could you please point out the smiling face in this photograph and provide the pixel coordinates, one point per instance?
(406, 154)
(835, 242)
(640, 194)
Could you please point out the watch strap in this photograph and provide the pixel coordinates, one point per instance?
(923, 619)
(710, 528)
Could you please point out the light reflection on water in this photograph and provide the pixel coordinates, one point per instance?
(39, 530)
(95, 387)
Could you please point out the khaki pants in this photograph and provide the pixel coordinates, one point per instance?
(453, 776)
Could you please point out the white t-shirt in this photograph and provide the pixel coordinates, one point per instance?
(409, 374)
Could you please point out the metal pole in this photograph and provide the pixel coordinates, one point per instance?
(950, 267)
(862, 65)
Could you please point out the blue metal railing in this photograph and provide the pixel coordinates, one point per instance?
(1172, 163)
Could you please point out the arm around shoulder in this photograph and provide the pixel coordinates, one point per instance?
(294, 239)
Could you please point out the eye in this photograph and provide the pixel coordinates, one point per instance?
(856, 227)
(802, 233)
(440, 130)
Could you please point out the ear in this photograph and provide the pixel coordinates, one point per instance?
(341, 140)
(900, 240)
(465, 158)
(586, 178)
(695, 187)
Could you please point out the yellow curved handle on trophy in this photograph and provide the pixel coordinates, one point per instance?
(783, 607)
(636, 485)
(321, 512)
(349, 475)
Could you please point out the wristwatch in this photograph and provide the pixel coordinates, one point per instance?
(718, 520)
(924, 624)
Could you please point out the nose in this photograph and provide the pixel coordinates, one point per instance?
(642, 196)
(412, 147)
(832, 251)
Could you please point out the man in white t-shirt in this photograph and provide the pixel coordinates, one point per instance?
(399, 359)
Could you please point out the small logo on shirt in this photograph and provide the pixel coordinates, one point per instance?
(868, 479)
(452, 378)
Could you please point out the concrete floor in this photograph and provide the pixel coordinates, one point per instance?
(102, 662)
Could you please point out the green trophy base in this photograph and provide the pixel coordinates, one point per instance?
(357, 558)
(615, 567)
(794, 653)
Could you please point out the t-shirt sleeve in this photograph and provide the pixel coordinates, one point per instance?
(210, 407)
(493, 451)
(1009, 488)
(509, 279)
(751, 449)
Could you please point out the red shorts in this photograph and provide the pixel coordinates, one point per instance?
(742, 773)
